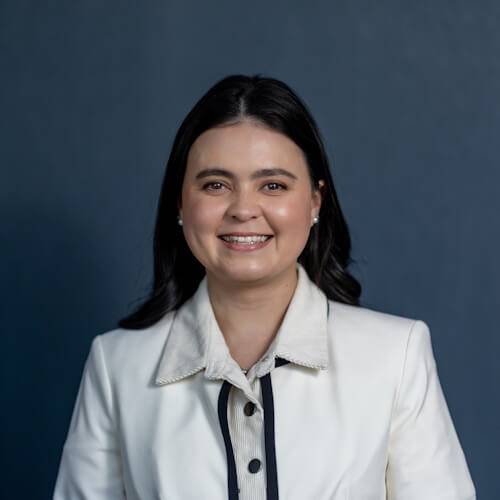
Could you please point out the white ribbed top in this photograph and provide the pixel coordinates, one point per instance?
(247, 437)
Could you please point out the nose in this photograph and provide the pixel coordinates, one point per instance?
(243, 206)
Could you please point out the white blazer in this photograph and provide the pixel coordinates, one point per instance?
(355, 411)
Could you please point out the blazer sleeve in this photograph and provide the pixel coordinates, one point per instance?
(90, 466)
(425, 458)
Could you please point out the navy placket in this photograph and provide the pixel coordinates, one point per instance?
(232, 480)
(268, 404)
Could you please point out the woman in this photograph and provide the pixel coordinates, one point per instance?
(251, 371)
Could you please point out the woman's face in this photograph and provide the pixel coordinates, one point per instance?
(242, 197)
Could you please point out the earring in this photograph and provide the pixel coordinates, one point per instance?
(316, 219)
(179, 220)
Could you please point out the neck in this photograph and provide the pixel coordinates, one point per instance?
(249, 315)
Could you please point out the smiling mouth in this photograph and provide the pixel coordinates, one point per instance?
(246, 244)
(246, 239)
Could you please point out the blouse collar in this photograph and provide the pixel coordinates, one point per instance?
(195, 340)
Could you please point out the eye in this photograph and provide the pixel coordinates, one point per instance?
(282, 186)
(208, 186)
(205, 186)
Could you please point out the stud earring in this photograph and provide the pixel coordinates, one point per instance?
(316, 219)
(179, 220)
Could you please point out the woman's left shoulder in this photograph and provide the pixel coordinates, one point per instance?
(368, 326)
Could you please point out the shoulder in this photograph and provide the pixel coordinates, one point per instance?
(121, 346)
(367, 321)
(368, 333)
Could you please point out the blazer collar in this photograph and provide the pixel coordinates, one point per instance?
(195, 340)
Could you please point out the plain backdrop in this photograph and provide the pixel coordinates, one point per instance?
(406, 95)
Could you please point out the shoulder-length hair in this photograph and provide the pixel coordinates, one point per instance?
(326, 256)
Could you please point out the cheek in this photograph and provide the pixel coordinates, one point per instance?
(291, 216)
(201, 215)
(202, 220)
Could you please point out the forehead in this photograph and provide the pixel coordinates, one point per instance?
(245, 146)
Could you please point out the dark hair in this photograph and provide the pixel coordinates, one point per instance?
(268, 101)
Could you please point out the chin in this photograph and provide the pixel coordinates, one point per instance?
(248, 272)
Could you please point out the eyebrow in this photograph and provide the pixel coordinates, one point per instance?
(263, 172)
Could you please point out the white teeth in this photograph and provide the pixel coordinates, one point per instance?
(245, 239)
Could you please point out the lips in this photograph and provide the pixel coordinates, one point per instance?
(243, 234)
(269, 236)
(249, 245)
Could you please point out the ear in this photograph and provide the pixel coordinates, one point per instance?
(317, 197)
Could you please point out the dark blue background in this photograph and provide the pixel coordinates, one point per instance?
(407, 97)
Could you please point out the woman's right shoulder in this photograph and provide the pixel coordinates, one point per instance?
(121, 345)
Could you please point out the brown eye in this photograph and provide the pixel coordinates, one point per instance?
(282, 186)
(205, 186)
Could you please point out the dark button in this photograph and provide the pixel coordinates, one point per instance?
(254, 465)
(249, 409)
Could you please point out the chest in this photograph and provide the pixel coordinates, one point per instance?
(330, 437)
